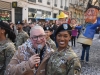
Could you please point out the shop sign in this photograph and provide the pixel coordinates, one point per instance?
(14, 4)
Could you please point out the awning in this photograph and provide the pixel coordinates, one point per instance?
(47, 18)
(51, 19)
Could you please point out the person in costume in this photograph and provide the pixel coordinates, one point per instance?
(88, 29)
(62, 18)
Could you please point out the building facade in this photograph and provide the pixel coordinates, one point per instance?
(30, 9)
(77, 8)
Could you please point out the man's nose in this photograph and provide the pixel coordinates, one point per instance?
(38, 38)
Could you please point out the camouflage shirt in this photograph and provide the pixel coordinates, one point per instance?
(7, 50)
(52, 44)
(21, 38)
(60, 63)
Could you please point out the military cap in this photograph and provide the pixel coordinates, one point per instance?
(92, 6)
(63, 27)
(8, 30)
(19, 22)
(4, 25)
(47, 28)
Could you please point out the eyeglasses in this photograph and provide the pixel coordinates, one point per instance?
(37, 37)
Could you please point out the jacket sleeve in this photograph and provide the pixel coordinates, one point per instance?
(75, 67)
(9, 52)
(78, 27)
(16, 66)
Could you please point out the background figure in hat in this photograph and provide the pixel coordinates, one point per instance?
(7, 47)
(22, 36)
(62, 18)
(48, 32)
(88, 30)
(64, 61)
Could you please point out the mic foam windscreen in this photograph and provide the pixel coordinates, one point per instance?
(39, 46)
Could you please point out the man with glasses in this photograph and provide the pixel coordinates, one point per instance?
(31, 57)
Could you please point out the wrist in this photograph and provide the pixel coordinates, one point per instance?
(30, 64)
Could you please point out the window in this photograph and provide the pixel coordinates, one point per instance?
(55, 3)
(48, 2)
(32, 0)
(65, 2)
(65, 8)
(40, 1)
(61, 4)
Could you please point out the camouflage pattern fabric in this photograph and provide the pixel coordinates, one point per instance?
(7, 50)
(64, 62)
(52, 44)
(21, 38)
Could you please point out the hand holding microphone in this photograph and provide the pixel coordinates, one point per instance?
(39, 47)
(35, 59)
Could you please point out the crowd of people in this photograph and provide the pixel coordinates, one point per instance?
(42, 48)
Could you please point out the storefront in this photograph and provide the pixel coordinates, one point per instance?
(38, 14)
(5, 11)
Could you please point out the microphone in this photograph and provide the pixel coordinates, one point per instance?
(39, 47)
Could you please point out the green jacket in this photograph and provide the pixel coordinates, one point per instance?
(64, 62)
(7, 50)
(21, 38)
(52, 44)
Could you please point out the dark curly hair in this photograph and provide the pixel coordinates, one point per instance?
(8, 30)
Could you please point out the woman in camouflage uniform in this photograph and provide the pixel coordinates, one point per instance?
(7, 47)
(64, 61)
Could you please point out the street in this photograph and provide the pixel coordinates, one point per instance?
(93, 67)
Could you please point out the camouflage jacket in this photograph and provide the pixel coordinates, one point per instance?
(52, 44)
(21, 38)
(7, 50)
(63, 62)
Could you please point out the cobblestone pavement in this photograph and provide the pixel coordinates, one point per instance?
(93, 67)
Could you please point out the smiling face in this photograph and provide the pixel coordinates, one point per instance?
(62, 39)
(38, 37)
(91, 15)
(19, 26)
(48, 33)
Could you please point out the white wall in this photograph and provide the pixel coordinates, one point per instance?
(25, 13)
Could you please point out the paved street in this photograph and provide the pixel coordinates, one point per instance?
(93, 67)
